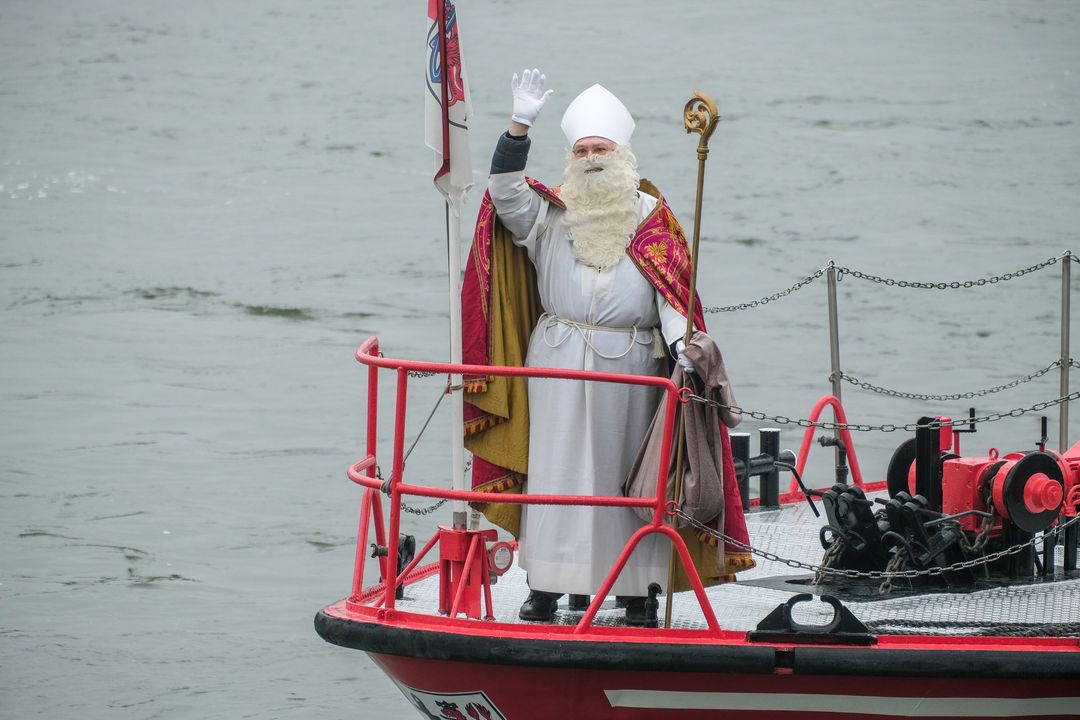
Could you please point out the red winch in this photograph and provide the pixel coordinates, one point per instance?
(1027, 488)
(950, 512)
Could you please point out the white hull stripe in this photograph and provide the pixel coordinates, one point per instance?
(889, 705)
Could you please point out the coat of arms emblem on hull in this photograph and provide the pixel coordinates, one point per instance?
(451, 706)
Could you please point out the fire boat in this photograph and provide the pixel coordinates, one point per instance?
(949, 589)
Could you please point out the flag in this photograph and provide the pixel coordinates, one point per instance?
(447, 106)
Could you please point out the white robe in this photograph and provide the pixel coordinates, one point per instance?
(584, 436)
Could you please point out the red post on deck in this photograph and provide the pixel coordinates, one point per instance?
(808, 437)
(463, 572)
(361, 541)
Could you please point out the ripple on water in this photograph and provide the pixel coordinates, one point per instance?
(288, 313)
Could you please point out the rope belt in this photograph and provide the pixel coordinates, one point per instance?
(547, 321)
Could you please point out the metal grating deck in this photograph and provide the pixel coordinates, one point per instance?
(792, 533)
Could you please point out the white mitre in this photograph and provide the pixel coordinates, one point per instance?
(597, 113)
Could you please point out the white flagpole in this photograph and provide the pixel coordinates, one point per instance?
(457, 405)
(445, 128)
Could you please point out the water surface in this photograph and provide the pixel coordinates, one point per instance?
(206, 206)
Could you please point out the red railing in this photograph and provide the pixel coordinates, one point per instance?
(363, 473)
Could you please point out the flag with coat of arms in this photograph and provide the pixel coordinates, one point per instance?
(448, 108)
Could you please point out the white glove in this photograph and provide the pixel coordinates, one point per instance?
(684, 362)
(529, 96)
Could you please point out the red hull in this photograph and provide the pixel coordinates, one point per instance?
(488, 671)
(516, 693)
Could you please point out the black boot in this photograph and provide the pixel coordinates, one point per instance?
(539, 606)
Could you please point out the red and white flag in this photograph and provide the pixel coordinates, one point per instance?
(447, 106)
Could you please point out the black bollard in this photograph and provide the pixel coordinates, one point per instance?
(1049, 543)
(769, 442)
(740, 452)
(652, 605)
(1072, 539)
(928, 461)
(1022, 564)
(406, 553)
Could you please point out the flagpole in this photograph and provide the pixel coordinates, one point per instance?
(453, 271)
(699, 116)
(457, 404)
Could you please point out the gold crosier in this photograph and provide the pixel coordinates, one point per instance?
(699, 116)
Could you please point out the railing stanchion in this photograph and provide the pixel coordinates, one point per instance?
(1066, 355)
(769, 487)
(361, 543)
(372, 446)
(395, 483)
(834, 343)
(373, 407)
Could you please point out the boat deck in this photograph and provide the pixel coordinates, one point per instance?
(1044, 608)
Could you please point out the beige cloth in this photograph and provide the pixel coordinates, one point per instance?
(703, 475)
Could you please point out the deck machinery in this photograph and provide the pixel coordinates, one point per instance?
(961, 521)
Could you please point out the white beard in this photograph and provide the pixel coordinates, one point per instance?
(601, 206)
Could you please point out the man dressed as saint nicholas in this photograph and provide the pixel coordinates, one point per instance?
(592, 275)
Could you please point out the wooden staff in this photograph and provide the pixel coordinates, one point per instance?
(699, 116)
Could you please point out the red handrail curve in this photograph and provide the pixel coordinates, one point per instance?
(849, 445)
(361, 472)
(370, 503)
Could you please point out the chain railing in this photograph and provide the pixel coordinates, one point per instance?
(886, 427)
(769, 298)
(843, 271)
(954, 396)
(953, 285)
(837, 272)
(421, 510)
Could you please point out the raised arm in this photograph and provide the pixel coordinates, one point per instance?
(518, 206)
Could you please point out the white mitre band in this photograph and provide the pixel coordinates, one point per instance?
(597, 113)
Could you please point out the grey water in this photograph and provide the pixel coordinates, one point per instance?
(206, 206)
